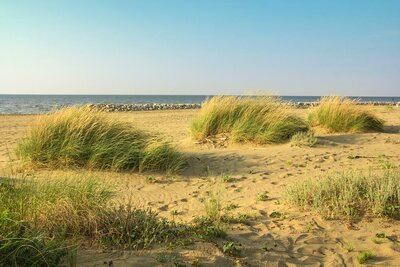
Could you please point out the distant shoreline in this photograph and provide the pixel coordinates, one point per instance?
(188, 106)
(37, 104)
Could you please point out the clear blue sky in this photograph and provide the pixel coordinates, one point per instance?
(200, 47)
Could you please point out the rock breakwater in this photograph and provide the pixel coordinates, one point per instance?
(156, 106)
(141, 107)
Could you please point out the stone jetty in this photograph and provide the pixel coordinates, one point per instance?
(156, 106)
(364, 103)
(142, 107)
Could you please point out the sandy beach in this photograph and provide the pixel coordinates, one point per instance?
(241, 173)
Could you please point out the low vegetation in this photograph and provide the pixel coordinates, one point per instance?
(350, 194)
(263, 196)
(364, 256)
(258, 119)
(83, 137)
(303, 139)
(231, 248)
(43, 221)
(341, 114)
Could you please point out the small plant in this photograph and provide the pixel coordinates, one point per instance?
(244, 218)
(386, 164)
(349, 247)
(213, 206)
(151, 179)
(309, 227)
(161, 258)
(210, 226)
(364, 256)
(195, 262)
(214, 231)
(207, 229)
(226, 178)
(231, 206)
(174, 212)
(240, 218)
(275, 214)
(302, 139)
(380, 235)
(230, 248)
(378, 239)
(178, 263)
(263, 196)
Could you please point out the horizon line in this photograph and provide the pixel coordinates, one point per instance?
(34, 94)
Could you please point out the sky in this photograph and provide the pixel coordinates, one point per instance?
(287, 47)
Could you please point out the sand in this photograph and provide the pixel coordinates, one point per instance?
(296, 238)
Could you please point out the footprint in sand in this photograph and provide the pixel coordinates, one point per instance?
(163, 208)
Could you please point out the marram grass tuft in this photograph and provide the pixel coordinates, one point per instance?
(82, 137)
(350, 194)
(340, 114)
(256, 119)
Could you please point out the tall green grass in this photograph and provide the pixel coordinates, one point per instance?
(83, 137)
(43, 221)
(350, 194)
(259, 119)
(37, 216)
(340, 114)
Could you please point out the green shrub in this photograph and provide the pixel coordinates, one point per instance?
(364, 256)
(302, 139)
(350, 194)
(83, 137)
(260, 119)
(340, 114)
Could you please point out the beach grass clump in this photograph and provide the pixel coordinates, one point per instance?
(257, 119)
(83, 137)
(341, 114)
(350, 194)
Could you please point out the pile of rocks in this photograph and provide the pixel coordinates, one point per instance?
(155, 106)
(366, 103)
(141, 107)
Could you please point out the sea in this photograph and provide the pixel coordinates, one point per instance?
(34, 104)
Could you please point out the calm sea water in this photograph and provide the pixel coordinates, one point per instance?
(32, 104)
